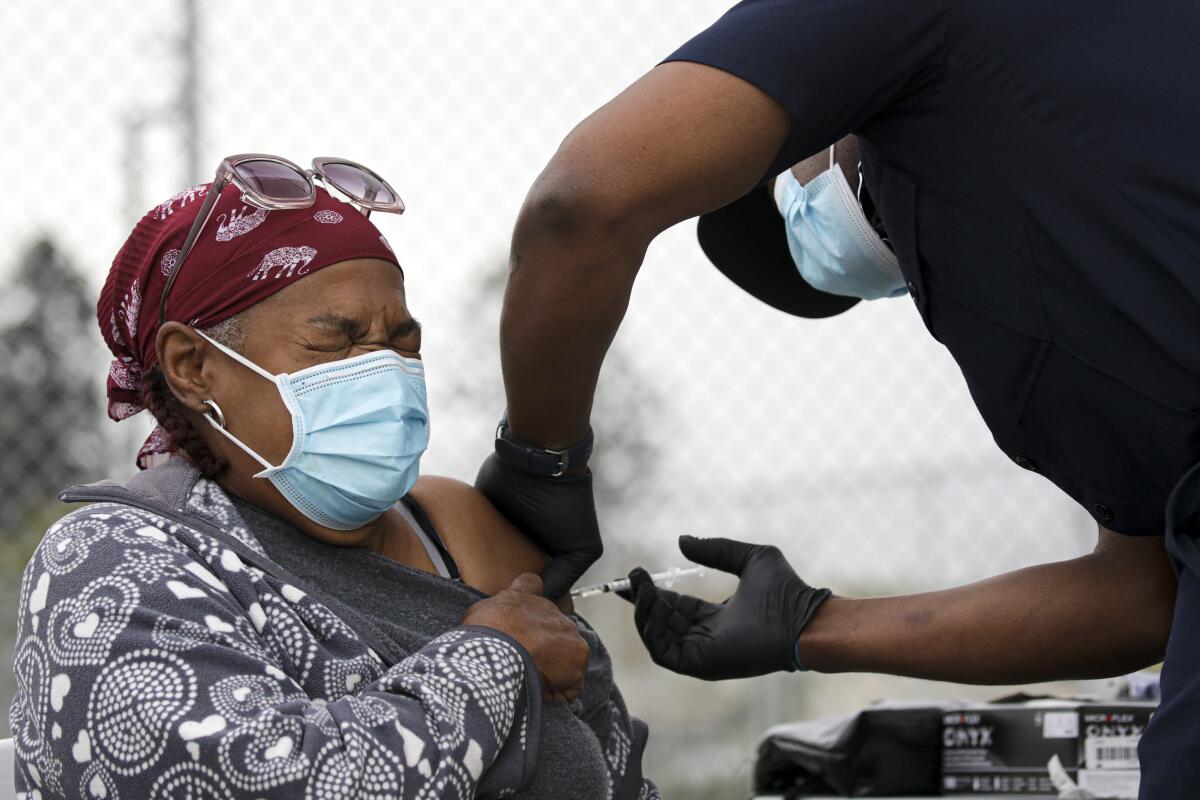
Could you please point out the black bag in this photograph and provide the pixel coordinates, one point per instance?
(888, 750)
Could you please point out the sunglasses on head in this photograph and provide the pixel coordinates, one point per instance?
(274, 183)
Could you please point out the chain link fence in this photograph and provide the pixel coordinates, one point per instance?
(850, 443)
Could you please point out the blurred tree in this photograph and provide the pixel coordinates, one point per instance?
(50, 406)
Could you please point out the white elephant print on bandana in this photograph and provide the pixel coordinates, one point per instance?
(239, 223)
(286, 261)
(190, 195)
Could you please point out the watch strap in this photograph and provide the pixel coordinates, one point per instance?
(538, 460)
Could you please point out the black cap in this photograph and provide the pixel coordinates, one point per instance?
(746, 240)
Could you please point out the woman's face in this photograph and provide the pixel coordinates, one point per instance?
(341, 311)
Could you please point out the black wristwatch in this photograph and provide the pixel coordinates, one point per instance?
(537, 460)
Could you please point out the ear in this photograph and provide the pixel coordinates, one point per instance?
(181, 356)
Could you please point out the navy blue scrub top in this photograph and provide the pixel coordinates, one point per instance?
(1037, 167)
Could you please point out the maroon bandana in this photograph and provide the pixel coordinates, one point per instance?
(242, 256)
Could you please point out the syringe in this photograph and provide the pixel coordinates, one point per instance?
(665, 579)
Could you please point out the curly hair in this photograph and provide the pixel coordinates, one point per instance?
(160, 401)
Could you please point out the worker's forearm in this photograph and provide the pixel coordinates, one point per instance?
(568, 289)
(1089, 617)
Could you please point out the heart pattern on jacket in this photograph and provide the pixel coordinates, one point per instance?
(82, 628)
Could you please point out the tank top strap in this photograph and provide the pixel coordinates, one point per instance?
(427, 534)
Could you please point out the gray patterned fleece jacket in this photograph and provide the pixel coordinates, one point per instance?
(162, 654)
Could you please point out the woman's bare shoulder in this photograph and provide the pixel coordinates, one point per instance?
(490, 550)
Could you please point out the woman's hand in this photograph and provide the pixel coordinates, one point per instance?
(558, 651)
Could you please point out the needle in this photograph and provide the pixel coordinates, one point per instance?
(665, 579)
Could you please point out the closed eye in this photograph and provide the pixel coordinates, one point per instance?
(402, 336)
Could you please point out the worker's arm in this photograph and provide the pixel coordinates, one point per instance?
(683, 140)
(1102, 614)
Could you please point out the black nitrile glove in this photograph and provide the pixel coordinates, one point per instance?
(752, 633)
(559, 513)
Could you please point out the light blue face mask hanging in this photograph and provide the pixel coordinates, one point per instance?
(835, 249)
(359, 427)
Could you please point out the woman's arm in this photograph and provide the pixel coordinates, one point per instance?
(489, 550)
(1099, 615)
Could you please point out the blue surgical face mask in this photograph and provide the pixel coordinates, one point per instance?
(835, 249)
(359, 427)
